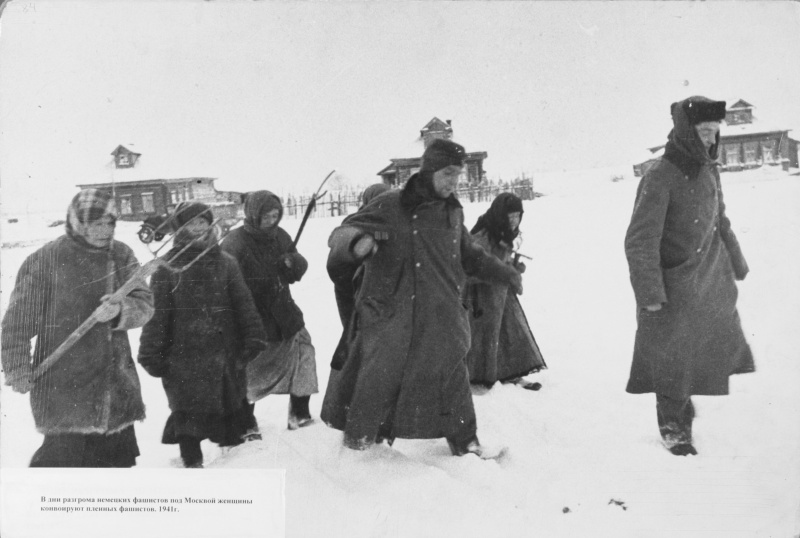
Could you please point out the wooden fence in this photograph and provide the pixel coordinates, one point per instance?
(345, 203)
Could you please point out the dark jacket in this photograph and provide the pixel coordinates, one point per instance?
(93, 387)
(683, 254)
(261, 258)
(204, 330)
(405, 362)
(503, 346)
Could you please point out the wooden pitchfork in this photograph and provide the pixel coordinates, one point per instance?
(142, 273)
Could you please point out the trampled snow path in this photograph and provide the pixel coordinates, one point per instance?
(577, 445)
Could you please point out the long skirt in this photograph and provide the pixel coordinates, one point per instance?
(503, 349)
(285, 367)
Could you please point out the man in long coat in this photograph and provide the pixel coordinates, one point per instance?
(87, 402)
(405, 374)
(683, 259)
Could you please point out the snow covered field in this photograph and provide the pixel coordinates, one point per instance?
(585, 457)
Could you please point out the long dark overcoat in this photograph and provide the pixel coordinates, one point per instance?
(204, 326)
(93, 387)
(503, 346)
(405, 361)
(683, 254)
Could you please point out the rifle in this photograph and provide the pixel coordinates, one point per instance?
(311, 205)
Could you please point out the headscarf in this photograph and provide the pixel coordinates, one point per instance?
(495, 220)
(255, 205)
(88, 206)
(372, 192)
(187, 211)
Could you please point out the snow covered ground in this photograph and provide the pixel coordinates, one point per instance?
(585, 457)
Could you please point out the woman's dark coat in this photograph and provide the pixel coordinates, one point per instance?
(683, 254)
(261, 258)
(503, 346)
(204, 330)
(405, 363)
(93, 387)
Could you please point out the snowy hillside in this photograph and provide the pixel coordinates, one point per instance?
(585, 457)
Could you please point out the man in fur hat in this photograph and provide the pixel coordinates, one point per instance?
(684, 259)
(87, 402)
(404, 373)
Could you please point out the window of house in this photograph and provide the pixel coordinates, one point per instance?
(751, 152)
(147, 202)
(732, 154)
(123, 161)
(125, 205)
(768, 151)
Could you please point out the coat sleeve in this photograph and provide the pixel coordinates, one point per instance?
(481, 265)
(23, 317)
(137, 307)
(740, 268)
(155, 342)
(248, 320)
(643, 240)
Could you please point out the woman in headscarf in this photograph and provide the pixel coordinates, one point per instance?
(270, 263)
(86, 403)
(503, 348)
(201, 337)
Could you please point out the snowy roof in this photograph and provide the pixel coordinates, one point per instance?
(155, 163)
(756, 127)
(740, 104)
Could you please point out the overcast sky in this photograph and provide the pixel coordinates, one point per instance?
(276, 94)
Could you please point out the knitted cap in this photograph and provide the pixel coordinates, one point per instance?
(440, 154)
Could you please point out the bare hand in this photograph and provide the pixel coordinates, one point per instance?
(364, 246)
(107, 310)
(653, 307)
(516, 284)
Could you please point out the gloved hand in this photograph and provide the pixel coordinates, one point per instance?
(21, 383)
(520, 266)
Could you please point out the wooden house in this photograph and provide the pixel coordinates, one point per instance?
(143, 191)
(400, 169)
(746, 142)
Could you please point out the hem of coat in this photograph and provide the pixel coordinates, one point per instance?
(506, 379)
(88, 430)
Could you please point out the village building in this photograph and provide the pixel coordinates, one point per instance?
(400, 169)
(143, 188)
(745, 142)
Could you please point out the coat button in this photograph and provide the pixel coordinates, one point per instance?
(696, 221)
(415, 232)
(415, 216)
(455, 240)
(715, 228)
(699, 250)
(418, 264)
(413, 297)
(454, 255)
